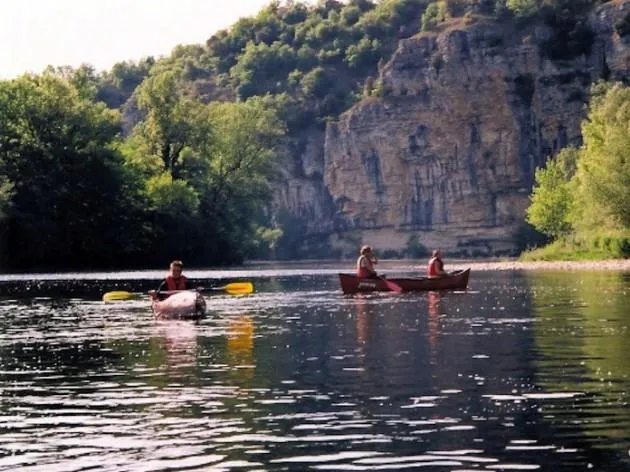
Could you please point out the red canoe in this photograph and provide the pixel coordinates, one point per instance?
(187, 304)
(455, 280)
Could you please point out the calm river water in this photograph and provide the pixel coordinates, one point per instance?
(523, 371)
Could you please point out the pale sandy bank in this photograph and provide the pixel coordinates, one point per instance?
(619, 264)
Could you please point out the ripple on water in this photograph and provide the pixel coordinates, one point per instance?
(299, 377)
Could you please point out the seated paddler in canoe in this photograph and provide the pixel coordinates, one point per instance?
(366, 262)
(367, 280)
(175, 298)
(435, 267)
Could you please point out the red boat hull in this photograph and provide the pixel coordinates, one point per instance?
(186, 304)
(456, 280)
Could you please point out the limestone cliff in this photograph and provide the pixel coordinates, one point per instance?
(448, 149)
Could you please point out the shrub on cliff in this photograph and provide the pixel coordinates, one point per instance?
(433, 16)
(522, 7)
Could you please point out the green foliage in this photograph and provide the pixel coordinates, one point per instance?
(260, 55)
(552, 197)
(116, 86)
(365, 54)
(71, 196)
(172, 121)
(241, 161)
(261, 67)
(604, 165)
(84, 79)
(433, 16)
(317, 83)
(582, 197)
(267, 242)
(194, 179)
(522, 7)
(245, 135)
(6, 194)
(171, 196)
(350, 15)
(387, 18)
(601, 245)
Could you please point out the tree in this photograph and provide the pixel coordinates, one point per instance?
(172, 121)
(317, 83)
(364, 54)
(553, 197)
(72, 197)
(241, 163)
(604, 165)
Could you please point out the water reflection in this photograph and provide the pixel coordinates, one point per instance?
(178, 340)
(525, 372)
(362, 320)
(581, 336)
(240, 347)
(433, 324)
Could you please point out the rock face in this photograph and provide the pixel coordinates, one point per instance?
(447, 151)
(303, 195)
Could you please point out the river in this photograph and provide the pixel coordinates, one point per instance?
(525, 370)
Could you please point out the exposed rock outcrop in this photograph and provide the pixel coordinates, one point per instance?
(449, 148)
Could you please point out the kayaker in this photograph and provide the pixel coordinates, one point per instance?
(174, 280)
(435, 268)
(366, 262)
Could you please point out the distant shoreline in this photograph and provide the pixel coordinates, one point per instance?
(419, 265)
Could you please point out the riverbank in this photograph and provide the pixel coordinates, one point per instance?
(616, 264)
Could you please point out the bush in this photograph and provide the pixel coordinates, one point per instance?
(317, 83)
(594, 246)
(522, 8)
(432, 16)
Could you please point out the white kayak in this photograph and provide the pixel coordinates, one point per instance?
(187, 304)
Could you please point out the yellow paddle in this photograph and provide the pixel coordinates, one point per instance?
(235, 288)
(118, 295)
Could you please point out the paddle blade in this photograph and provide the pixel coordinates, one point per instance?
(239, 288)
(393, 286)
(117, 296)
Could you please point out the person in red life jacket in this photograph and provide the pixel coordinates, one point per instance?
(175, 280)
(435, 267)
(366, 262)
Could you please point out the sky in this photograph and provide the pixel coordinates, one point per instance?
(38, 33)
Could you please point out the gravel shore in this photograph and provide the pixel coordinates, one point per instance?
(619, 264)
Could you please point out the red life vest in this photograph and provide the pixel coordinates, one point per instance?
(435, 267)
(173, 284)
(362, 272)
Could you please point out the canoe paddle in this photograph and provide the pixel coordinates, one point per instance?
(235, 288)
(393, 286)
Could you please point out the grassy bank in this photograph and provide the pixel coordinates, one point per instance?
(591, 247)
